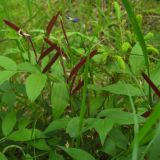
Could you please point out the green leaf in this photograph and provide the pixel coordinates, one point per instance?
(34, 85)
(9, 98)
(59, 99)
(109, 147)
(136, 59)
(120, 117)
(77, 154)
(28, 67)
(5, 75)
(54, 156)
(57, 124)
(121, 140)
(118, 88)
(154, 151)
(3, 157)
(26, 135)
(103, 127)
(73, 127)
(8, 123)
(8, 63)
(40, 144)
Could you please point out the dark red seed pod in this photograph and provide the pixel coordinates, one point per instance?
(64, 32)
(54, 45)
(45, 53)
(48, 66)
(52, 23)
(80, 64)
(146, 114)
(78, 87)
(151, 84)
(12, 25)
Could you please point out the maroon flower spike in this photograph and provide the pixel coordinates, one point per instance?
(80, 64)
(45, 53)
(48, 66)
(55, 47)
(64, 32)
(152, 85)
(78, 87)
(51, 23)
(12, 25)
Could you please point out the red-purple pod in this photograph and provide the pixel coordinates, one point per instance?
(78, 87)
(80, 64)
(151, 84)
(52, 23)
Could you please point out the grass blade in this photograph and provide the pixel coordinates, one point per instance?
(140, 38)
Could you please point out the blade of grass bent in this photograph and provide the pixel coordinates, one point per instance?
(140, 38)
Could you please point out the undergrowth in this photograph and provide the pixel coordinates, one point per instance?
(79, 86)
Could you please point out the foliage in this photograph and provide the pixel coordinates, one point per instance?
(85, 87)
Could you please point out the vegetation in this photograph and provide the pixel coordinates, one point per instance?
(79, 80)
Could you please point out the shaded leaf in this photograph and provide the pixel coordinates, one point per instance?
(103, 126)
(59, 99)
(8, 123)
(57, 124)
(8, 63)
(34, 85)
(26, 135)
(77, 154)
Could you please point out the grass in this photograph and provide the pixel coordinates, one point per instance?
(77, 85)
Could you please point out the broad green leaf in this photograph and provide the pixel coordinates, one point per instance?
(3, 157)
(28, 67)
(23, 123)
(28, 157)
(8, 123)
(40, 144)
(7, 63)
(26, 135)
(73, 127)
(136, 59)
(59, 99)
(54, 156)
(103, 127)
(95, 103)
(9, 98)
(5, 75)
(154, 151)
(121, 140)
(120, 117)
(118, 88)
(57, 124)
(77, 154)
(34, 85)
(109, 147)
